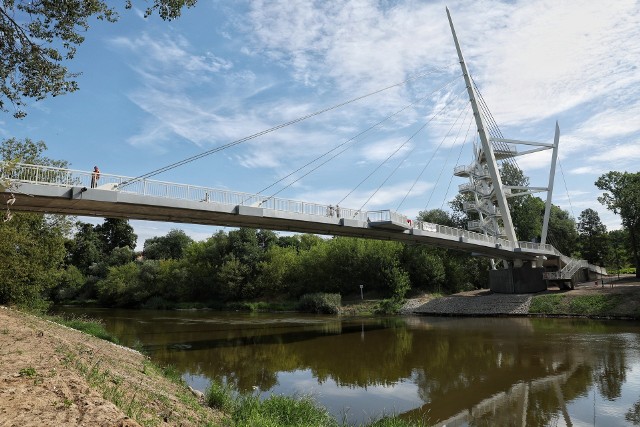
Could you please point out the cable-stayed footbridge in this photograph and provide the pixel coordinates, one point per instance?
(49, 189)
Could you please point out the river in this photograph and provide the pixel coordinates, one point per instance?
(453, 371)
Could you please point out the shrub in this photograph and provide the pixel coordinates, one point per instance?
(281, 411)
(320, 303)
(389, 306)
(220, 396)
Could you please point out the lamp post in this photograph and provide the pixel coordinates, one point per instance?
(361, 293)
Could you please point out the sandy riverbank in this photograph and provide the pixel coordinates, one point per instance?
(51, 375)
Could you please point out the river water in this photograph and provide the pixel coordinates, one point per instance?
(453, 371)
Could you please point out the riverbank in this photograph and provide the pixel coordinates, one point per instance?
(53, 375)
(614, 299)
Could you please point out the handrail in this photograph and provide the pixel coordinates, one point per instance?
(50, 175)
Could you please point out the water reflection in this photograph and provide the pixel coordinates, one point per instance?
(447, 371)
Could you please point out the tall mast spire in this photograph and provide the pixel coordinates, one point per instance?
(494, 173)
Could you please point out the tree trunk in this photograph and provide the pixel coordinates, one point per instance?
(634, 248)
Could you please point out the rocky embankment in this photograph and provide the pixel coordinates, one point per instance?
(616, 298)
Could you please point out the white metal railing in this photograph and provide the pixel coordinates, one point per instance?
(473, 188)
(482, 207)
(48, 175)
(472, 169)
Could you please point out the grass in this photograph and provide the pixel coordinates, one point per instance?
(584, 305)
(280, 411)
(87, 325)
(248, 410)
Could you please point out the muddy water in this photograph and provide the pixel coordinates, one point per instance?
(445, 370)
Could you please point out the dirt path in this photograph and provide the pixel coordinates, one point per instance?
(51, 375)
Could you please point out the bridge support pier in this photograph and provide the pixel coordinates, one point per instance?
(517, 280)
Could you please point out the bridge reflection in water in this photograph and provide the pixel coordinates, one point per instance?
(503, 371)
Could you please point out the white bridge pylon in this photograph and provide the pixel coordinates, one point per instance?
(485, 184)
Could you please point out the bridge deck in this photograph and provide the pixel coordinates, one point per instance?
(64, 191)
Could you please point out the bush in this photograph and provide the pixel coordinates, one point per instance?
(281, 411)
(220, 396)
(389, 306)
(320, 303)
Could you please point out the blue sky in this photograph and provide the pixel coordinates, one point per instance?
(154, 92)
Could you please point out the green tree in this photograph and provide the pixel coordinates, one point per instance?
(38, 37)
(622, 197)
(619, 249)
(32, 249)
(31, 259)
(116, 233)
(437, 216)
(85, 249)
(562, 231)
(592, 237)
(526, 210)
(171, 246)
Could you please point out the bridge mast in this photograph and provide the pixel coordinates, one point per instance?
(490, 157)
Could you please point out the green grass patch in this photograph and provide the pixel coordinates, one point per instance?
(584, 305)
(248, 410)
(87, 325)
(546, 304)
(220, 396)
(594, 304)
(280, 411)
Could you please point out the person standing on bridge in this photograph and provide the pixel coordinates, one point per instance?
(95, 176)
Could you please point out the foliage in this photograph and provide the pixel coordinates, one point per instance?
(31, 255)
(586, 305)
(622, 197)
(437, 216)
(592, 237)
(545, 304)
(28, 151)
(281, 411)
(39, 36)
(389, 306)
(89, 326)
(320, 303)
(116, 233)
(171, 246)
(220, 396)
(562, 231)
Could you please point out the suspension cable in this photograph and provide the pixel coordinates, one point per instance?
(343, 144)
(445, 161)
(566, 189)
(396, 151)
(264, 132)
(319, 166)
(432, 156)
(444, 200)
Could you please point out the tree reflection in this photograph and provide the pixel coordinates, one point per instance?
(473, 371)
(611, 372)
(633, 414)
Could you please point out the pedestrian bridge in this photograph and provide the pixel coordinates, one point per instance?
(54, 190)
